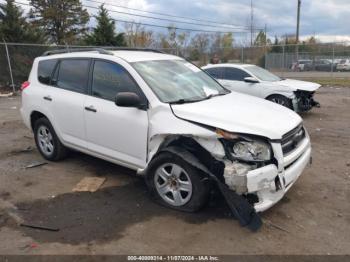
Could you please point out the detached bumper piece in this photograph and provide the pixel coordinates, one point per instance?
(305, 101)
(240, 207)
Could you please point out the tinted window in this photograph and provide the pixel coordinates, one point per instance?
(45, 69)
(73, 75)
(215, 72)
(235, 74)
(109, 79)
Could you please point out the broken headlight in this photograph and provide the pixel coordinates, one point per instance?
(245, 148)
(251, 151)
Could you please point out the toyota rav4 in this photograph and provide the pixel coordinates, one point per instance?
(167, 119)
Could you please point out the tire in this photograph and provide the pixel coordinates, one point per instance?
(281, 100)
(47, 142)
(196, 193)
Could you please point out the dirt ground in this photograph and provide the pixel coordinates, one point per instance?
(313, 218)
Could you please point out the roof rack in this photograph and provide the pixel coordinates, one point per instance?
(104, 51)
(69, 50)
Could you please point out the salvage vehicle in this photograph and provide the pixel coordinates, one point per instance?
(167, 119)
(256, 81)
(344, 65)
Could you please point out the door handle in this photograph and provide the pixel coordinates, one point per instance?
(91, 109)
(48, 98)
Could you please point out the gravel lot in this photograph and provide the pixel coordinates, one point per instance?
(313, 218)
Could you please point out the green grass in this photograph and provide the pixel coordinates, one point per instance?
(343, 82)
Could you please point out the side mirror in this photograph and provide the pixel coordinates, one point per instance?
(250, 79)
(128, 99)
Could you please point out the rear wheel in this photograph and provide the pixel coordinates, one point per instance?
(47, 142)
(281, 100)
(176, 184)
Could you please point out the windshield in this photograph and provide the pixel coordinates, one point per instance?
(262, 74)
(178, 81)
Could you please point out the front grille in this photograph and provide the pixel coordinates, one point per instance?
(291, 140)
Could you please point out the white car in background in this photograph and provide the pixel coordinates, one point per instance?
(343, 65)
(256, 81)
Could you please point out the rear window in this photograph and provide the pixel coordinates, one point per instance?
(45, 69)
(73, 75)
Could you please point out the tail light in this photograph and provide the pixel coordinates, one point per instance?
(25, 85)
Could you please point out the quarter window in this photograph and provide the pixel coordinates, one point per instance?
(235, 74)
(109, 79)
(45, 69)
(73, 75)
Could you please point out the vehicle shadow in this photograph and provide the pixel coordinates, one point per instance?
(104, 215)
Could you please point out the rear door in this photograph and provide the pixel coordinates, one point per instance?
(66, 98)
(118, 133)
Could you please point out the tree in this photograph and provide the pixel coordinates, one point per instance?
(62, 20)
(261, 39)
(14, 27)
(276, 47)
(104, 33)
(199, 47)
(137, 36)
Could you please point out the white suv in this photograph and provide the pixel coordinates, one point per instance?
(171, 122)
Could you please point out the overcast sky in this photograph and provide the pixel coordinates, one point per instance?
(326, 19)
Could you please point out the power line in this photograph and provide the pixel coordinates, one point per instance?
(164, 14)
(167, 19)
(159, 26)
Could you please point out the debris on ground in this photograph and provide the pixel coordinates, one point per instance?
(6, 94)
(270, 224)
(26, 150)
(36, 164)
(39, 227)
(89, 184)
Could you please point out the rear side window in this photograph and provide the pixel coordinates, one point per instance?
(235, 74)
(73, 75)
(215, 72)
(109, 79)
(45, 69)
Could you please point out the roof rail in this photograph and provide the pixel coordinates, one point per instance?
(133, 49)
(104, 50)
(68, 50)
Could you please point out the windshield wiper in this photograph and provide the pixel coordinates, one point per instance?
(182, 101)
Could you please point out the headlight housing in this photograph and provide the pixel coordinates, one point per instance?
(245, 148)
(251, 151)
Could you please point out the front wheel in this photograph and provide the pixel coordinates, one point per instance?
(176, 184)
(281, 100)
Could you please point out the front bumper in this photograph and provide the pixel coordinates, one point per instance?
(270, 183)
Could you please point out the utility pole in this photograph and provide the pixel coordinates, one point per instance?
(297, 34)
(251, 22)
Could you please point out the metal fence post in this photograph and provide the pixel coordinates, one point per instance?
(332, 66)
(10, 68)
(283, 62)
(242, 55)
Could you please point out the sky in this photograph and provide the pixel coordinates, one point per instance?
(325, 19)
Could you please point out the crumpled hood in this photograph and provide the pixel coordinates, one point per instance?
(240, 113)
(297, 84)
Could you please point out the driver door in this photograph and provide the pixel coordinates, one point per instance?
(118, 133)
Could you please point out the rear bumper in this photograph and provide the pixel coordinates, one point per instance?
(25, 117)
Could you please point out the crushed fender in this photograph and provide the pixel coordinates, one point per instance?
(241, 209)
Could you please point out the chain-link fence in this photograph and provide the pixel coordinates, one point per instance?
(307, 61)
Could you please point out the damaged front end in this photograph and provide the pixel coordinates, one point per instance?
(304, 101)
